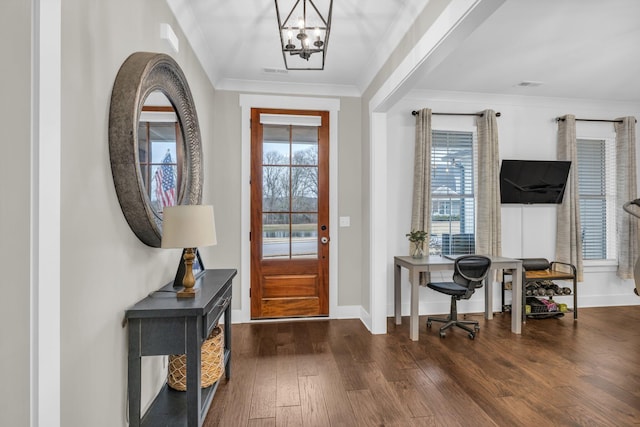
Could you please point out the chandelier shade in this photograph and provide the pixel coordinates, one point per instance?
(304, 27)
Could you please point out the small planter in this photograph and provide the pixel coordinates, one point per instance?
(417, 251)
(417, 239)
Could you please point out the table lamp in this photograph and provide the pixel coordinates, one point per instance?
(188, 227)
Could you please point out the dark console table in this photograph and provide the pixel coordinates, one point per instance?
(162, 324)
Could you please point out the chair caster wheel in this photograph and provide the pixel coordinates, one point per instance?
(442, 335)
(476, 327)
(635, 290)
(428, 323)
(472, 335)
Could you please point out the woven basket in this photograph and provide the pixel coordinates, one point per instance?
(212, 363)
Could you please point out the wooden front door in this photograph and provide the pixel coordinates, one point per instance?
(289, 213)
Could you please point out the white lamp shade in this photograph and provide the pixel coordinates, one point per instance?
(188, 226)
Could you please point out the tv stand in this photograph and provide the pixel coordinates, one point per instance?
(162, 324)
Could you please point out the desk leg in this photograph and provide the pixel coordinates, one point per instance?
(413, 320)
(516, 303)
(488, 296)
(194, 357)
(397, 298)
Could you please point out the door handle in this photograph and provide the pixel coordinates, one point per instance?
(324, 240)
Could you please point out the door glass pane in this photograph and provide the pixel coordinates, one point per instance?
(275, 236)
(275, 145)
(159, 163)
(163, 186)
(162, 131)
(304, 146)
(305, 154)
(275, 188)
(275, 153)
(304, 189)
(304, 239)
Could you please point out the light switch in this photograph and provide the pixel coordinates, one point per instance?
(345, 221)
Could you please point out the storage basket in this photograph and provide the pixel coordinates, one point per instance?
(212, 363)
(537, 306)
(538, 309)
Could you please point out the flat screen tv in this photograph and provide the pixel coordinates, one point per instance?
(533, 181)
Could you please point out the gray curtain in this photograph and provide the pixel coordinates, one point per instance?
(626, 190)
(569, 233)
(421, 208)
(488, 225)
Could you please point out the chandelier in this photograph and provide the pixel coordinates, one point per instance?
(304, 33)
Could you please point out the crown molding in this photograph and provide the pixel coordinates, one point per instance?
(519, 100)
(259, 86)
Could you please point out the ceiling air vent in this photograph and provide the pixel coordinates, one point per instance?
(274, 71)
(529, 83)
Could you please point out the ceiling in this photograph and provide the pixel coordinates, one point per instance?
(586, 49)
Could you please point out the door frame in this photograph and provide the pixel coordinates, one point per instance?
(247, 102)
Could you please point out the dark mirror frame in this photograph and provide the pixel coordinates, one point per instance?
(141, 74)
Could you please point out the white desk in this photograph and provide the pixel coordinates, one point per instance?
(438, 263)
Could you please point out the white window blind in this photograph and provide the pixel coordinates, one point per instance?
(290, 119)
(597, 190)
(452, 193)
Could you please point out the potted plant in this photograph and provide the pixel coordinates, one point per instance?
(417, 239)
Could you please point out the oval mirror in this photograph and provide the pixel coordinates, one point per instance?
(154, 142)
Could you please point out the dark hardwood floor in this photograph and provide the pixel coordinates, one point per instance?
(559, 372)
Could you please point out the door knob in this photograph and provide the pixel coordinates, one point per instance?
(324, 240)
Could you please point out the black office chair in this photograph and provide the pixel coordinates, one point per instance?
(469, 272)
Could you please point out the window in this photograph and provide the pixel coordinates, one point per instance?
(597, 191)
(160, 154)
(452, 193)
(157, 151)
(290, 191)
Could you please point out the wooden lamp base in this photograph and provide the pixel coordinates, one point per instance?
(188, 281)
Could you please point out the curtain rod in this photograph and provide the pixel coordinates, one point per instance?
(592, 120)
(415, 113)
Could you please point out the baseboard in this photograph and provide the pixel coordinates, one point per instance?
(340, 312)
(441, 307)
(608, 300)
(365, 318)
(425, 307)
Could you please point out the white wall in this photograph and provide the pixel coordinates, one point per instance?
(226, 179)
(15, 186)
(104, 268)
(527, 130)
